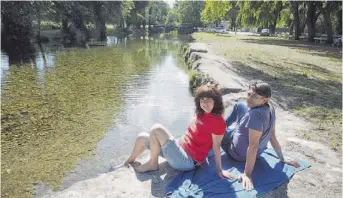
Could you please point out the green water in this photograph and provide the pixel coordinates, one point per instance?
(56, 109)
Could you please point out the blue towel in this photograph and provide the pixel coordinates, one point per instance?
(268, 174)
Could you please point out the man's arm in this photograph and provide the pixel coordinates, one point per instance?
(276, 145)
(254, 140)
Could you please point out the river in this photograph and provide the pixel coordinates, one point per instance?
(71, 112)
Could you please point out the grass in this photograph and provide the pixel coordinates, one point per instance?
(306, 77)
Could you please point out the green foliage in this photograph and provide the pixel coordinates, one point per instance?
(285, 18)
(189, 12)
(215, 11)
(259, 13)
(156, 12)
(19, 13)
(171, 18)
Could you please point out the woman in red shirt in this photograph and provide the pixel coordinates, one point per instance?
(205, 131)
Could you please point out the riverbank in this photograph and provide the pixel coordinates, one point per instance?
(321, 180)
(209, 56)
(306, 77)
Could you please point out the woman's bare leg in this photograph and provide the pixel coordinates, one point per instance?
(159, 135)
(138, 148)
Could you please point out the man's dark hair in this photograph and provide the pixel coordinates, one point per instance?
(261, 88)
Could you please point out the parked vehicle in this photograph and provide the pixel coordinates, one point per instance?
(219, 29)
(265, 32)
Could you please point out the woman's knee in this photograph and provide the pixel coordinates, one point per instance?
(142, 137)
(161, 133)
(157, 128)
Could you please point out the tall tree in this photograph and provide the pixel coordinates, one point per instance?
(99, 12)
(189, 12)
(339, 18)
(313, 13)
(157, 12)
(215, 11)
(171, 18)
(16, 31)
(327, 8)
(296, 21)
(264, 14)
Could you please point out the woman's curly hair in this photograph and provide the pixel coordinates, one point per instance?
(209, 91)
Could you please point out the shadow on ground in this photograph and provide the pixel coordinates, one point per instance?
(308, 47)
(159, 179)
(296, 90)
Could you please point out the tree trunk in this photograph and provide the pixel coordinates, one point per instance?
(38, 21)
(100, 21)
(326, 11)
(303, 27)
(339, 25)
(144, 20)
(273, 26)
(328, 25)
(291, 28)
(311, 11)
(296, 19)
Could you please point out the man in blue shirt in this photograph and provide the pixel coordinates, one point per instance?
(249, 129)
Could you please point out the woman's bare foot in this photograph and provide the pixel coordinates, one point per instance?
(129, 161)
(146, 167)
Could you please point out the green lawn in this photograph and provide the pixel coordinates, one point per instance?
(305, 77)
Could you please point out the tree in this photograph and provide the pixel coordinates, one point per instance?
(136, 14)
(126, 8)
(296, 22)
(189, 12)
(339, 18)
(171, 18)
(233, 14)
(157, 12)
(327, 8)
(263, 14)
(312, 16)
(215, 11)
(17, 21)
(99, 12)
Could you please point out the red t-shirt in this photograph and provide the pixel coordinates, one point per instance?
(198, 140)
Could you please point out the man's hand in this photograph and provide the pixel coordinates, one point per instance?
(246, 180)
(291, 162)
(226, 175)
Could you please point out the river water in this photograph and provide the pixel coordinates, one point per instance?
(70, 113)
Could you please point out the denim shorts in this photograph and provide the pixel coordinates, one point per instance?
(175, 155)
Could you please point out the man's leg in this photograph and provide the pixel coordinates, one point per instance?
(159, 135)
(239, 110)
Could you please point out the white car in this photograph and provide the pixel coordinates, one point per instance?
(219, 29)
(265, 32)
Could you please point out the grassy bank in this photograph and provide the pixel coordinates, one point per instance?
(305, 77)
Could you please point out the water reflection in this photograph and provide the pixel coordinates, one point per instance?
(56, 110)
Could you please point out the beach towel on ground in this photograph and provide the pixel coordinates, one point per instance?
(268, 174)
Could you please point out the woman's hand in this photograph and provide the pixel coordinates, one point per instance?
(226, 174)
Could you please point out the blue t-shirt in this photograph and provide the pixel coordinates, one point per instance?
(259, 119)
